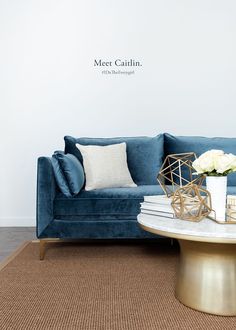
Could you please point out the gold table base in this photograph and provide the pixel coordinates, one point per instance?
(207, 277)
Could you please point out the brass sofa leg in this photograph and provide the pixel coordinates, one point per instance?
(42, 244)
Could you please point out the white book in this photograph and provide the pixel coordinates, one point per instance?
(158, 199)
(159, 214)
(154, 207)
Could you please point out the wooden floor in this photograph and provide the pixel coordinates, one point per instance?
(12, 237)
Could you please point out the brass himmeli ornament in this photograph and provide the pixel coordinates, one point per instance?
(177, 172)
(191, 203)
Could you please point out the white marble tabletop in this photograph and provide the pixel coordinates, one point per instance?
(206, 230)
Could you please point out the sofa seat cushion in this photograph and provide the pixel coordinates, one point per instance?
(106, 204)
(231, 190)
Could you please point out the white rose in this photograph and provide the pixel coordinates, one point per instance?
(226, 162)
(213, 153)
(215, 160)
(206, 162)
(233, 164)
(197, 166)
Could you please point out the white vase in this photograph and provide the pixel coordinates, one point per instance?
(217, 186)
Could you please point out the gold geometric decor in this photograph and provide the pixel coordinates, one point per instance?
(177, 171)
(191, 202)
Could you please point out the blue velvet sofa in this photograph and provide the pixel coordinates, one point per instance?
(112, 213)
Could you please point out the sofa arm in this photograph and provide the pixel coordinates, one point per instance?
(46, 191)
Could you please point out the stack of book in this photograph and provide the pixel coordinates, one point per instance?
(159, 205)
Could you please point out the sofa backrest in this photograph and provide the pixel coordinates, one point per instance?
(144, 154)
(198, 144)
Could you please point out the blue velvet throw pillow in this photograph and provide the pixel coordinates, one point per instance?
(60, 177)
(144, 154)
(69, 173)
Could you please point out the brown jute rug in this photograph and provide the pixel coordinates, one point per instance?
(97, 286)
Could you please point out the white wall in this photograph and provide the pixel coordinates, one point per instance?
(50, 88)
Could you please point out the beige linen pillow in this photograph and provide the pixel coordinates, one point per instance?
(106, 166)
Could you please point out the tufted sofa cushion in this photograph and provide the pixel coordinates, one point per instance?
(105, 204)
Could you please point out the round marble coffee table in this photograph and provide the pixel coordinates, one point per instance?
(206, 279)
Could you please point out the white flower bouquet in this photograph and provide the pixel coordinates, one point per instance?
(215, 163)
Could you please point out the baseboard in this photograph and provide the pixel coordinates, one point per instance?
(17, 222)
